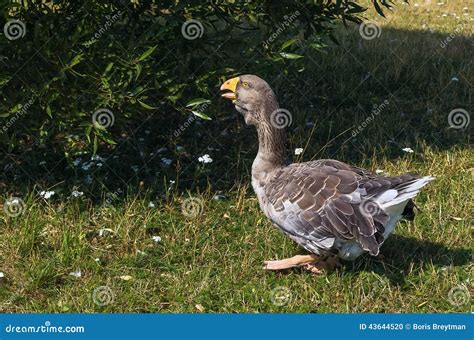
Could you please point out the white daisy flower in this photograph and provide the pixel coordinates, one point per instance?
(166, 161)
(378, 171)
(151, 205)
(77, 273)
(205, 159)
(47, 194)
(76, 194)
(298, 151)
(156, 238)
(408, 150)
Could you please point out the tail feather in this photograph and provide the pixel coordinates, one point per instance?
(407, 191)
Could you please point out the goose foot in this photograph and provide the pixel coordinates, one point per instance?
(295, 261)
(328, 264)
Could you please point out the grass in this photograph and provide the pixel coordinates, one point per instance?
(212, 261)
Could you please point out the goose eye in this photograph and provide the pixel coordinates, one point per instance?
(245, 84)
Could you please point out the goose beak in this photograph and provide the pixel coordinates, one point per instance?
(229, 87)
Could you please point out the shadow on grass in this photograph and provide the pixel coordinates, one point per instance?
(422, 74)
(401, 255)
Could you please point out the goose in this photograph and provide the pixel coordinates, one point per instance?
(331, 209)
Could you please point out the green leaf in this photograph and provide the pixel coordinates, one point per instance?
(201, 115)
(288, 43)
(48, 111)
(147, 53)
(76, 60)
(378, 8)
(197, 101)
(146, 106)
(290, 55)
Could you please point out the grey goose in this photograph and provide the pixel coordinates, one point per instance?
(331, 209)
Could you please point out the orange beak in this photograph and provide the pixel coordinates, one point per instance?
(229, 87)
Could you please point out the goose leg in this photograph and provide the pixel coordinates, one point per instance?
(328, 263)
(295, 261)
(311, 263)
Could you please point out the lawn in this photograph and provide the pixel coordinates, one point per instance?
(192, 239)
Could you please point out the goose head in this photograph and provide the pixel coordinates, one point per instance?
(252, 97)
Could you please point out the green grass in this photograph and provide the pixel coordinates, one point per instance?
(212, 262)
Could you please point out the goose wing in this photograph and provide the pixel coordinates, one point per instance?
(320, 201)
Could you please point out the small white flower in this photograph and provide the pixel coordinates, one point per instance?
(156, 238)
(97, 259)
(298, 151)
(454, 79)
(161, 150)
(76, 194)
(151, 205)
(378, 171)
(205, 159)
(408, 150)
(172, 182)
(13, 201)
(166, 161)
(97, 158)
(99, 165)
(47, 194)
(179, 148)
(2, 275)
(42, 163)
(77, 273)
